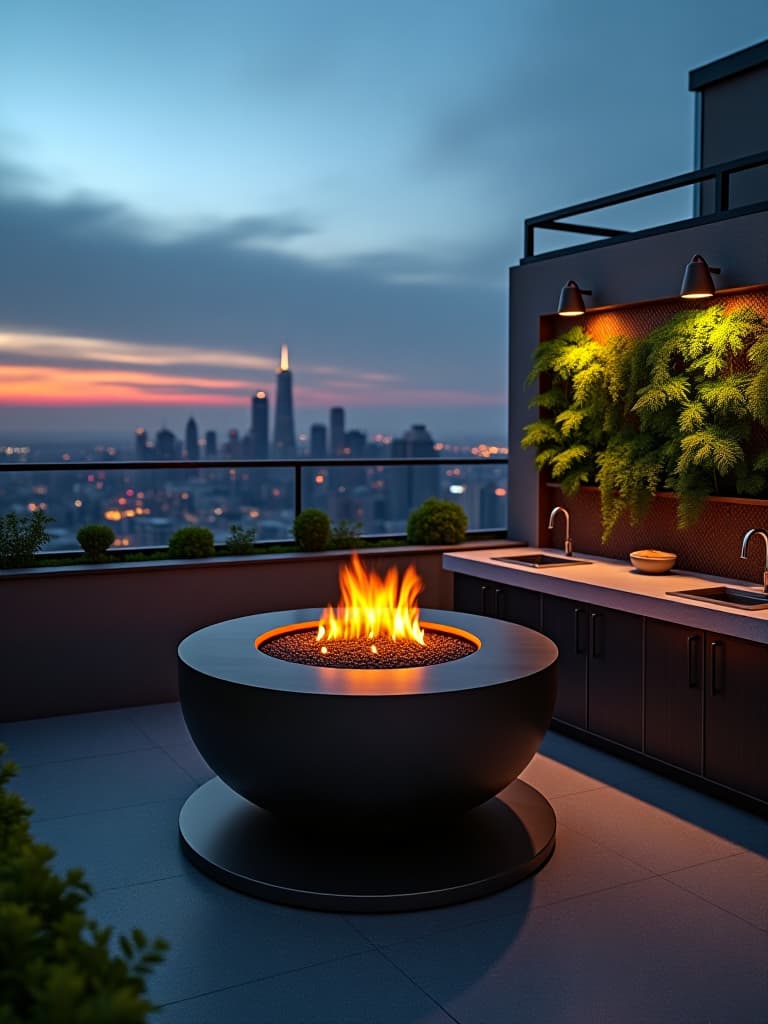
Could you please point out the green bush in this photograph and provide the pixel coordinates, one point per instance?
(191, 542)
(240, 541)
(346, 534)
(312, 530)
(437, 522)
(55, 963)
(94, 540)
(21, 537)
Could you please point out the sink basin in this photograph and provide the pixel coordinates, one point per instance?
(730, 596)
(540, 561)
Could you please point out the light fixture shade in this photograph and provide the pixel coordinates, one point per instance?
(697, 279)
(571, 302)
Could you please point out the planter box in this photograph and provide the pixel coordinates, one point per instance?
(90, 638)
(712, 545)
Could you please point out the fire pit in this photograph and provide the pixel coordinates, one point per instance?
(347, 784)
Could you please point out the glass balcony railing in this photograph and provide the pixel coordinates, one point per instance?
(146, 501)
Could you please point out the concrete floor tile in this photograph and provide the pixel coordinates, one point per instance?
(161, 723)
(221, 938)
(639, 831)
(644, 953)
(554, 779)
(100, 783)
(577, 866)
(187, 757)
(66, 737)
(118, 847)
(360, 989)
(738, 884)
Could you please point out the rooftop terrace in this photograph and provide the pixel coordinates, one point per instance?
(653, 908)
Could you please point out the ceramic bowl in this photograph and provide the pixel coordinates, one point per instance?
(652, 561)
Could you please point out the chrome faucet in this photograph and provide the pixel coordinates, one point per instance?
(568, 546)
(745, 542)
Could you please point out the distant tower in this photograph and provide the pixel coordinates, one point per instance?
(141, 443)
(318, 441)
(337, 432)
(260, 426)
(191, 439)
(425, 480)
(211, 444)
(165, 445)
(285, 437)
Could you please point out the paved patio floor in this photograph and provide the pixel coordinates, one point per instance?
(653, 908)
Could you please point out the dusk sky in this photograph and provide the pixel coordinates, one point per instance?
(187, 185)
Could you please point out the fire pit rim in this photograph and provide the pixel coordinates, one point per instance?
(226, 651)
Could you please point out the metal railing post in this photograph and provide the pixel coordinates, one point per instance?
(297, 496)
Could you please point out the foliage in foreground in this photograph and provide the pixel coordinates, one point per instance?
(21, 537)
(684, 408)
(55, 963)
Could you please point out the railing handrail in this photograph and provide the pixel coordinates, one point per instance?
(720, 173)
(52, 467)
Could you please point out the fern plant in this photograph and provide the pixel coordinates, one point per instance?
(683, 408)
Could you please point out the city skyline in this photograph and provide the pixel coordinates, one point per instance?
(350, 181)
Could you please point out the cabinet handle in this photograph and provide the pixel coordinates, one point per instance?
(499, 602)
(577, 614)
(715, 646)
(693, 662)
(593, 620)
(483, 592)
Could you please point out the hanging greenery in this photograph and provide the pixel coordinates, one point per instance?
(684, 408)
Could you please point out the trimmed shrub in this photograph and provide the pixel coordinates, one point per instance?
(21, 537)
(437, 522)
(191, 542)
(94, 540)
(312, 530)
(55, 963)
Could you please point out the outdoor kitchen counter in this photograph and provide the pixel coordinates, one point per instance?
(616, 584)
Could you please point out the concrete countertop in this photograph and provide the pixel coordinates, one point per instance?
(615, 584)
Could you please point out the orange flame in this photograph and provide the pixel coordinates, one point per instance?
(371, 607)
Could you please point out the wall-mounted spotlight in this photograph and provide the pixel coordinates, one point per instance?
(571, 302)
(697, 280)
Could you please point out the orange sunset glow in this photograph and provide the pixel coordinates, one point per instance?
(50, 370)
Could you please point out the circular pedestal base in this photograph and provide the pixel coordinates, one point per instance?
(247, 848)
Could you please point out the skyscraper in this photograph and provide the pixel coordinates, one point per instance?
(211, 445)
(318, 441)
(337, 432)
(191, 440)
(141, 443)
(259, 446)
(285, 437)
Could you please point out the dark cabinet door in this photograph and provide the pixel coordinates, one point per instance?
(484, 597)
(736, 714)
(565, 623)
(674, 687)
(514, 604)
(471, 595)
(615, 676)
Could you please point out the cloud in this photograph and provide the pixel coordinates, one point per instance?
(84, 280)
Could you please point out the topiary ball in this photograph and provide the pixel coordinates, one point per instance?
(94, 540)
(191, 542)
(437, 522)
(312, 530)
